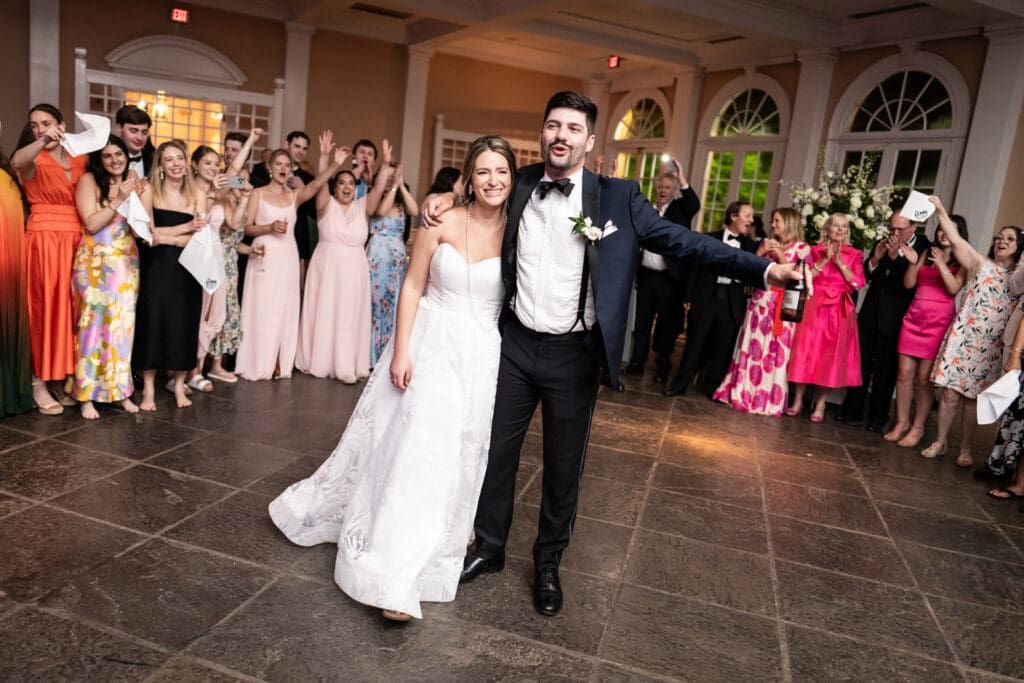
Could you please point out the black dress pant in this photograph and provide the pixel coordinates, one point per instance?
(879, 365)
(657, 294)
(710, 339)
(558, 372)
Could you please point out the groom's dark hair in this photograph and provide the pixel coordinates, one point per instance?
(567, 99)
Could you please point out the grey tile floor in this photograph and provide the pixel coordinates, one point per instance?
(710, 545)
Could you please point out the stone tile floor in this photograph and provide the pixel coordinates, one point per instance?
(710, 545)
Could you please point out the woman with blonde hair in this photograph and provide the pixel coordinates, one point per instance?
(399, 493)
(825, 350)
(756, 381)
(170, 299)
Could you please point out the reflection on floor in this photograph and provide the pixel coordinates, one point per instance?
(710, 545)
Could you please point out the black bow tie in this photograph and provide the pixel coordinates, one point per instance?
(132, 160)
(729, 237)
(563, 185)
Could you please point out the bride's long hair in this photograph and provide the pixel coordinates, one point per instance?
(487, 143)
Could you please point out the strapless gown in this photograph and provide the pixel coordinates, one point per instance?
(399, 493)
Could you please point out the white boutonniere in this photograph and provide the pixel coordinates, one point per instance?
(585, 228)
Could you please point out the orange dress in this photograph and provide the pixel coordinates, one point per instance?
(51, 235)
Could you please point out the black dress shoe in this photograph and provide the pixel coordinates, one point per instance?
(547, 592)
(660, 378)
(874, 427)
(474, 566)
(634, 369)
(846, 417)
(675, 391)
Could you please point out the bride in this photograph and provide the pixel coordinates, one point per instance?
(399, 493)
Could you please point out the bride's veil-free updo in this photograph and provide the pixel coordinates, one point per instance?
(487, 143)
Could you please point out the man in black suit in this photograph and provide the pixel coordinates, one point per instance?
(716, 305)
(659, 282)
(564, 318)
(132, 125)
(879, 322)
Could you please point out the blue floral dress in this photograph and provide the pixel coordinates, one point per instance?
(386, 254)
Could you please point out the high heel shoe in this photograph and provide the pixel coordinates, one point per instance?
(794, 411)
(53, 407)
(897, 432)
(935, 450)
(908, 440)
(395, 615)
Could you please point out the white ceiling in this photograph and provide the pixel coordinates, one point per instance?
(575, 37)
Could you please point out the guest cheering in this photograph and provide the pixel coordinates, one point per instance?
(938, 278)
(49, 175)
(970, 356)
(270, 306)
(334, 335)
(825, 349)
(386, 254)
(106, 281)
(170, 299)
(756, 381)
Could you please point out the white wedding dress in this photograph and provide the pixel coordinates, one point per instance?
(399, 493)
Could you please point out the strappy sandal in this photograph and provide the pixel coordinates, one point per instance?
(394, 615)
(964, 459)
(935, 450)
(51, 408)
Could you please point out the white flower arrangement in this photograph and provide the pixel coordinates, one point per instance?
(851, 193)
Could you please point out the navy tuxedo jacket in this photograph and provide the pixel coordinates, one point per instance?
(614, 259)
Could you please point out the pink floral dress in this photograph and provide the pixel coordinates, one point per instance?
(756, 381)
(971, 355)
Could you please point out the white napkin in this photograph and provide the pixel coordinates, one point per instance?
(135, 212)
(94, 137)
(917, 208)
(994, 401)
(200, 259)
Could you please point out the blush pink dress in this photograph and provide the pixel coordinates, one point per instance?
(270, 305)
(825, 350)
(929, 315)
(334, 335)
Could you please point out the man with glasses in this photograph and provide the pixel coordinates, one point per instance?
(879, 322)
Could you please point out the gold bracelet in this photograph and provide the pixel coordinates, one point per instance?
(1017, 349)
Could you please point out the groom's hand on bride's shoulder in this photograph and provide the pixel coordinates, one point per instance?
(434, 206)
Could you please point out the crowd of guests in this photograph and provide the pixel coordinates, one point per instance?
(910, 337)
(312, 263)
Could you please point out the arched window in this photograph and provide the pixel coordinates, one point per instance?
(741, 147)
(639, 137)
(907, 115)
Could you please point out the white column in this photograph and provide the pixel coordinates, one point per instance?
(275, 137)
(44, 55)
(808, 121)
(411, 152)
(683, 127)
(81, 83)
(296, 76)
(997, 111)
(597, 89)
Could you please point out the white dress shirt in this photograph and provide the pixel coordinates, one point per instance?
(549, 262)
(648, 259)
(137, 166)
(731, 240)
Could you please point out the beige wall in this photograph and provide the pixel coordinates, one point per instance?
(255, 45)
(1011, 207)
(485, 98)
(356, 88)
(14, 102)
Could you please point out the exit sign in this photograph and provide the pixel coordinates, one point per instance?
(179, 15)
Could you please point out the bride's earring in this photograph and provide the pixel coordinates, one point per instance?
(161, 174)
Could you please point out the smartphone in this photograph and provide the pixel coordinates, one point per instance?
(235, 182)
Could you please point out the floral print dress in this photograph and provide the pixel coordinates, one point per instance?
(756, 381)
(386, 253)
(971, 355)
(105, 278)
(230, 335)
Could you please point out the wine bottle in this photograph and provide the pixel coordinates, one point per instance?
(794, 297)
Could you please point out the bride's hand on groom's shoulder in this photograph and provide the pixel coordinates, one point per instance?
(434, 206)
(401, 371)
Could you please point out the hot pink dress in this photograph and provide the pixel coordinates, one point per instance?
(928, 317)
(270, 307)
(756, 381)
(334, 336)
(826, 351)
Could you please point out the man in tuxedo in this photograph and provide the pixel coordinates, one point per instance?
(716, 304)
(879, 323)
(132, 125)
(659, 283)
(564, 318)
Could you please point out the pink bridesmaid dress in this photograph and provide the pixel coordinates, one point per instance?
(270, 305)
(334, 335)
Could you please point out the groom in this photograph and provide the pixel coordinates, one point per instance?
(564, 318)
